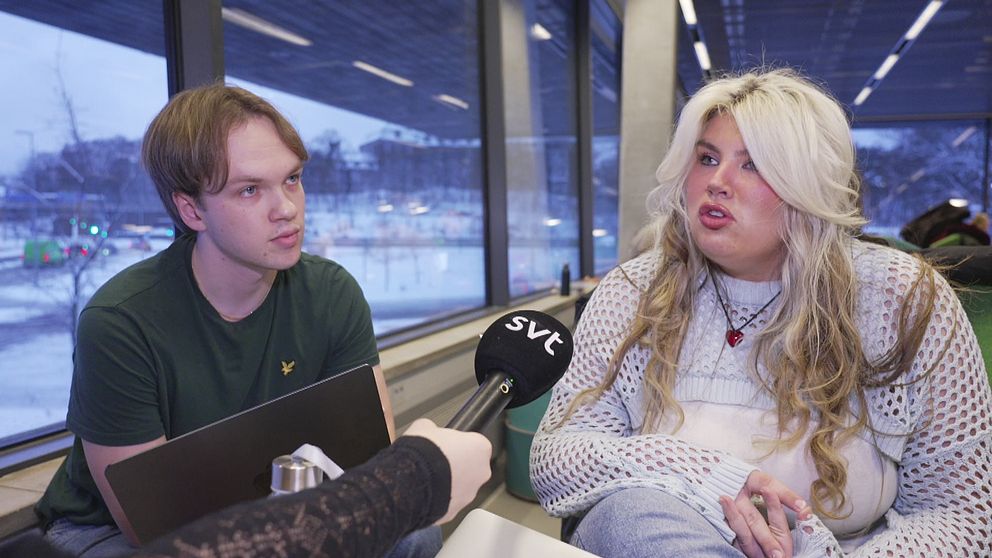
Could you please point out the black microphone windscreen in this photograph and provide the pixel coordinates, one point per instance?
(531, 347)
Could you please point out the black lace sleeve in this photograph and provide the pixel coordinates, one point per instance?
(363, 513)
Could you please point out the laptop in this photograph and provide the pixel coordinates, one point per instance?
(230, 461)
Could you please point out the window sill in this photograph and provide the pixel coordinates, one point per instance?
(18, 493)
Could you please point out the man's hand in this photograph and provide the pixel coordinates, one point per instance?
(468, 456)
(756, 537)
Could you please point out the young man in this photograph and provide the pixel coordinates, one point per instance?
(231, 315)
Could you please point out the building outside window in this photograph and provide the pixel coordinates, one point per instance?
(386, 98)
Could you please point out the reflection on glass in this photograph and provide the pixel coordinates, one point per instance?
(387, 103)
(604, 32)
(75, 205)
(908, 168)
(541, 147)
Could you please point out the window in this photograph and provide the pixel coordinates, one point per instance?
(540, 96)
(910, 167)
(75, 205)
(385, 96)
(604, 32)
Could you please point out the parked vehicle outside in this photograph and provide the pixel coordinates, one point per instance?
(43, 253)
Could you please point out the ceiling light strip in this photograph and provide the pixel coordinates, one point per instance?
(702, 55)
(924, 19)
(379, 72)
(696, 35)
(451, 100)
(902, 45)
(890, 61)
(688, 12)
(253, 22)
(539, 33)
(970, 131)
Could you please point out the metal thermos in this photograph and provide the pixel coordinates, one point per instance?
(293, 474)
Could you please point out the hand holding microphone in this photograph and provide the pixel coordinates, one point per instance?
(468, 455)
(520, 356)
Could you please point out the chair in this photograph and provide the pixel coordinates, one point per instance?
(971, 266)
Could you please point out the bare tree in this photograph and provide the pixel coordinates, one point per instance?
(86, 167)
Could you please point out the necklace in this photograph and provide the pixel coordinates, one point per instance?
(232, 319)
(734, 335)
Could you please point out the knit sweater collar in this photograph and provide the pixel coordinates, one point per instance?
(741, 292)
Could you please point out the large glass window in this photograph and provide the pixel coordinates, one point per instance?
(385, 96)
(539, 84)
(909, 168)
(604, 33)
(75, 205)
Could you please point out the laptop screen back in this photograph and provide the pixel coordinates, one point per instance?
(230, 461)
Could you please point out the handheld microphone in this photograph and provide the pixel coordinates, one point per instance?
(520, 356)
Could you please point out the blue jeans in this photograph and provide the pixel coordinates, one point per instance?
(88, 541)
(107, 541)
(425, 543)
(647, 522)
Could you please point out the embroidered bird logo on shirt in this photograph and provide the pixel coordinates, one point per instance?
(287, 367)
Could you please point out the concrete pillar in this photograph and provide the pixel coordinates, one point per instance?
(647, 107)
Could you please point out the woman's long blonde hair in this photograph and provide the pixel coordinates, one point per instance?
(800, 140)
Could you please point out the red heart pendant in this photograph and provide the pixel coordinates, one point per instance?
(734, 337)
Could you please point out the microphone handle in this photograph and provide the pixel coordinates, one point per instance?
(493, 395)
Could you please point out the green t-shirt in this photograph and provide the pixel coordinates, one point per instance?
(154, 358)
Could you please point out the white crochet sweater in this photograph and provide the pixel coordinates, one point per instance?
(943, 502)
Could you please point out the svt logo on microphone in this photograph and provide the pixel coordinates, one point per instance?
(517, 323)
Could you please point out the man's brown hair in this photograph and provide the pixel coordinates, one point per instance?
(185, 147)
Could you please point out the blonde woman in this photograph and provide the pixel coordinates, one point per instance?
(761, 383)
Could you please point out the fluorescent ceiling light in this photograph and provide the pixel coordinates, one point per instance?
(539, 33)
(259, 25)
(890, 61)
(376, 71)
(702, 54)
(453, 101)
(964, 136)
(904, 43)
(385, 207)
(552, 222)
(917, 175)
(599, 233)
(419, 210)
(924, 19)
(958, 202)
(862, 96)
(688, 12)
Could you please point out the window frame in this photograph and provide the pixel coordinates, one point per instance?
(194, 53)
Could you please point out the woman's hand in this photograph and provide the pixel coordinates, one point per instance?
(468, 456)
(756, 537)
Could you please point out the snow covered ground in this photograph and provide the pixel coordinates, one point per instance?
(404, 285)
(412, 269)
